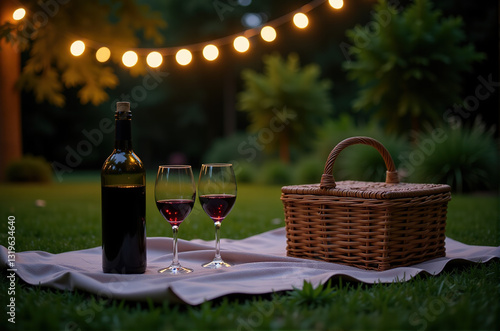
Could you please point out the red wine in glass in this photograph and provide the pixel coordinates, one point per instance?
(217, 194)
(175, 193)
(217, 206)
(175, 210)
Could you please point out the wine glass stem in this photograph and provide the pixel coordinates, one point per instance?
(175, 259)
(217, 241)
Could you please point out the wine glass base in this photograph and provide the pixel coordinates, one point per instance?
(175, 270)
(216, 265)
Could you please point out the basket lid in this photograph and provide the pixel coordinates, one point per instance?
(369, 190)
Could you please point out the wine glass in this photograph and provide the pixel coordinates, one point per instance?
(217, 194)
(175, 193)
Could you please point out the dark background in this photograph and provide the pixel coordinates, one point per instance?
(195, 104)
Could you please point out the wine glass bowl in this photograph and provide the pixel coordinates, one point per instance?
(217, 194)
(175, 193)
(175, 210)
(217, 206)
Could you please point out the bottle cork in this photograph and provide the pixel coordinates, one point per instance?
(123, 106)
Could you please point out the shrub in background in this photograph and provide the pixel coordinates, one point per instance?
(467, 159)
(227, 149)
(29, 169)
(275, 172)
(359, 162)
(308, 170)
(244, 171)
(334, 131)
(365, 163)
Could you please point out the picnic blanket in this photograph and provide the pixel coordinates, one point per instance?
(260, 266)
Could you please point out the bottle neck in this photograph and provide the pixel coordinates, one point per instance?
(123, 132)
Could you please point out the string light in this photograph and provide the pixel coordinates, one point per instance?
(154, 59)
(19, 14)
(77, 48)
(210, 52)
(241, 44)
(130, 58)
(103, 54)
(300, 20)
(336, 4)
(183, 57)
(210, 49)
(268, 33)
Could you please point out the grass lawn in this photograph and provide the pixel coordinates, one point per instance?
(461, 298)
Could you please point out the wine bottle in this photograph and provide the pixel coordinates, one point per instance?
(123, 202)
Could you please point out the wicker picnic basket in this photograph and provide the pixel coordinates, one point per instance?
(370, 225)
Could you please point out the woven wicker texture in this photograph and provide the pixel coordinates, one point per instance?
(366, 224)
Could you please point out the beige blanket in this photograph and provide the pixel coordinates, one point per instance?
(260, 266)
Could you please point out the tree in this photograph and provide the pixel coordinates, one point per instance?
(408, 64)
(49, 29)
(10, 106)
(46, 33)
(285, 103)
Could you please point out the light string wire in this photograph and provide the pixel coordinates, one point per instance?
(196, 47)
(249, 33)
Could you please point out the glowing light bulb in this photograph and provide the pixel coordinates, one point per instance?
(210, 52)
(300, 20)
(103, 54)
(130, 58)
(241, 44)
(183, 57)
(19, 14)
(154, 59)
(337, 4)
(268, 33)
(77, 48)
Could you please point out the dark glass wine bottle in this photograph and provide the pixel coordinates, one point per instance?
(123, 202)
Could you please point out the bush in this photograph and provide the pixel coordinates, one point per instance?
(275, 173)
(225, 149)
(466, 159)
(365, 163)
(29, 169)
(359, 162)
(334, 132)
(309, 170)
(245, 172)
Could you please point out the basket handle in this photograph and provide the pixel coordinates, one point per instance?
(327, 180)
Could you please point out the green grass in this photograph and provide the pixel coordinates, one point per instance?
(461, 298)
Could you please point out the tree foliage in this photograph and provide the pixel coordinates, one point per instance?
(49, 29)
(408, 64)
(285, 103)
